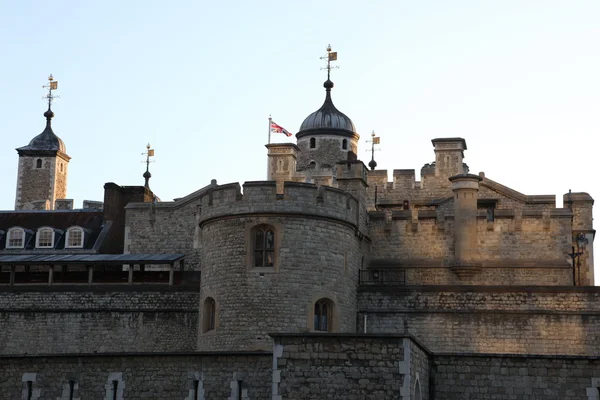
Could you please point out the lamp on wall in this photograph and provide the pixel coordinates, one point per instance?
(581, 241)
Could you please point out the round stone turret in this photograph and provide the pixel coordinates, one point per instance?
(276, 263)
(326, 136)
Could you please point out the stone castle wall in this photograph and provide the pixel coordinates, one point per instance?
(488, 320)
(54, 320)
(166, 227)
(138, 376)
(348, 367)
(317, 256)
(472, 377)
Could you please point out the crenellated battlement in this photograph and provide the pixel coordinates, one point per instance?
(261, 197)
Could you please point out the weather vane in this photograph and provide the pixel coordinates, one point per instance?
(330, 56)
(52, 85)
(147, 175)
(374, 140)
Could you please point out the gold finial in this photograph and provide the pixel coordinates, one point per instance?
(331, 56)
(52, 85)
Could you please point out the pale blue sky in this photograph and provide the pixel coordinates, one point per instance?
(519, 80)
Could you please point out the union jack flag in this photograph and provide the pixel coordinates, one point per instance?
(279, 129)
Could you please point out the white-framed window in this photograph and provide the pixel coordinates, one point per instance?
(74, 238)
(44, 238)
(15, 238)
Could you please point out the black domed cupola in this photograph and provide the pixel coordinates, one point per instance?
(327, 119)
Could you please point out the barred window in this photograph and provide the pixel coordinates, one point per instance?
(45, 238)
(15, 238)
(75, 238)
(264, 247)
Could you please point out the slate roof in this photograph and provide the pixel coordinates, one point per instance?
(90, 220)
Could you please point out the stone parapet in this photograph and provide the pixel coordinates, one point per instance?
(300, 199)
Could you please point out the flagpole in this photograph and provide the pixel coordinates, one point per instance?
(270, 119)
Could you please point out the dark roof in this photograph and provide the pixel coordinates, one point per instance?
(46, 141)
(36, 259)
(60, 220)
(327, 119)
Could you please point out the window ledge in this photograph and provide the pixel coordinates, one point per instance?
(263, 270)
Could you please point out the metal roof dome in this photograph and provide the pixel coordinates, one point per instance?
(327, 119)
(46, 141)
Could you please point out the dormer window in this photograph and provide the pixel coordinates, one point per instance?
(74, 238)
(15, 238)
(45, 238)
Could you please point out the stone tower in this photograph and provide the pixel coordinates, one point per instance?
(43, 168)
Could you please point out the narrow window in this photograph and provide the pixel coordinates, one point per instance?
(75, 237)
(45, 238)
(16, 238)
(313, 143)
(115, 387)
(61, 167)
(490, 214)
(344, 144)
(240, 389)
(209, 315)
(29, 390)
(38, 163)
(322, 316)
(196, 386)
(71, 389)
(264, 248)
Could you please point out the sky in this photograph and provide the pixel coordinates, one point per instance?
(519, 80)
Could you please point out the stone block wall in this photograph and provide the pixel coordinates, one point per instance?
(344, 367)
(512, 247)
(501, 377)
(169, 227)
(139, 376)
(55, 321)
(487, 320)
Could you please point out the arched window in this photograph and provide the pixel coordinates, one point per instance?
(74, 237)
(322, 316)
(264, 247)
(312, 165)
(417, 390)
(44, 238)
(38, 163)
(313, 143)
(15, 238)
(344, 144)
(209, 315)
